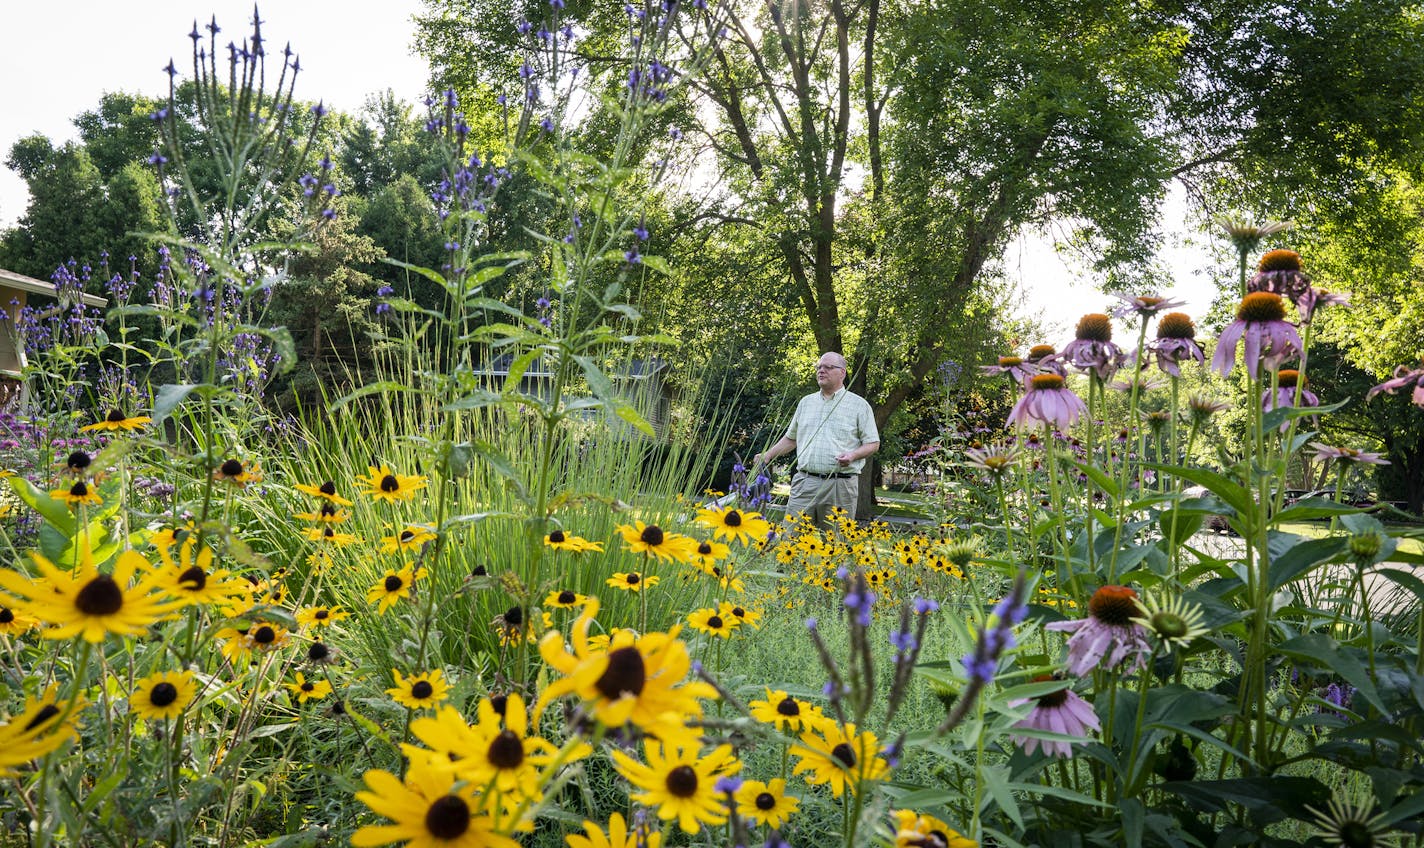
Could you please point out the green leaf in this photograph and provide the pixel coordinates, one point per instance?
(632, 416)
(427, 273)
(1179, 526)
(377, 388)
(169, 398)
(658, 264)
(1322, 650)
(1235, 495)
(56, 513)
(1312, 508)
(1277, 418)
(1301, 558)
(1099, 478)
(996, 783)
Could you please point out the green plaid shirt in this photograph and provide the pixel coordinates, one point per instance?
(824, 428)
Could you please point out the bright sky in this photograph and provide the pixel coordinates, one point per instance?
(60, 55)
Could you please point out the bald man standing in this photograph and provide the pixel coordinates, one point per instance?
(832, 432)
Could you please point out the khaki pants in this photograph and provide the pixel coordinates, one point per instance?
(817, 497)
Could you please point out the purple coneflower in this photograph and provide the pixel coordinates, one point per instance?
(1108, 635)
(995, 459)
(1047, 401)
(1290, 384)
(1145, 305)
(1092, 348)
(1347, 456)
(1315, 298)
(1016, 367)
(1057, 712)
(1042, 356)
(1269, 337)
(1176, 342)
(1403, 376)
(1279, 273)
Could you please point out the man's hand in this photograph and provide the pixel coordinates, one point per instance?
(846, 458)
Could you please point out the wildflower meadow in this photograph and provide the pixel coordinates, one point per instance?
(482, 592)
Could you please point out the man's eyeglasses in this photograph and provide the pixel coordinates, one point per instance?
(829, 367)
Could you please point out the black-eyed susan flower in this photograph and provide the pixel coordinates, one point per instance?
(914, 830)
(420, 691)
(326, 513)
(1172, 619)
(321, 616)
(708, 553)
(235, 472)
(559, 540)
(505, 755)
(1352, 819)
(412, 536)
(319, 561)
(632, 581)
(85, 602)
(117, 420)
(565, 599)
(322, 653)
(730, 523)
(328, 536)
(13, 621)
(618, 835)
(79, 494)
(307, 690)
(383, 484)
(839, 756)
(431, 808)
(163, 695)
(784, 712)
(634, 679)
(326, 491)
(643, 538)
(711, 621)
(38, 729)
(78, 462)
(267, 636)
(191, 578)
(680, 782)
(741, 614)
(766, 803)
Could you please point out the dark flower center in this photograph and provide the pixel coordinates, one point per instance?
(1176, 325)
(79, 490)
(766, 801)
(1053, 699)
(389, 483)
(1113, 605)
(78, 460)
(1040, 351)
(327, 510)
(1289, 378)
(1261, 307)
(422, 689)
(47, 712)
(100, 596)
(318, 652)
(514, 616)
(1010, 361)
(322, 615)
(732, 518)
(633, 579)
(1045, 382)
(308, 685)
(327, 488)
(1279, 260)
(448, 817)
(682, 782)
(328, 533)
(393, 583)
(407, 535)
(739, 612)
(652, 535)
(567, 597)
(231, 468)
(194, 579)
(625, 673)
(163, 694)
(1095, 327)
(479, 571)
(715, 622)
(115, 416)
(499, 702)
(506, 751)
(705, 548)
(264, 635)
(1356, 834)
(557, 536)
(7, 615)
(844, 755)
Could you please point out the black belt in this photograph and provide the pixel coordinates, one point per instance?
(837, 476)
